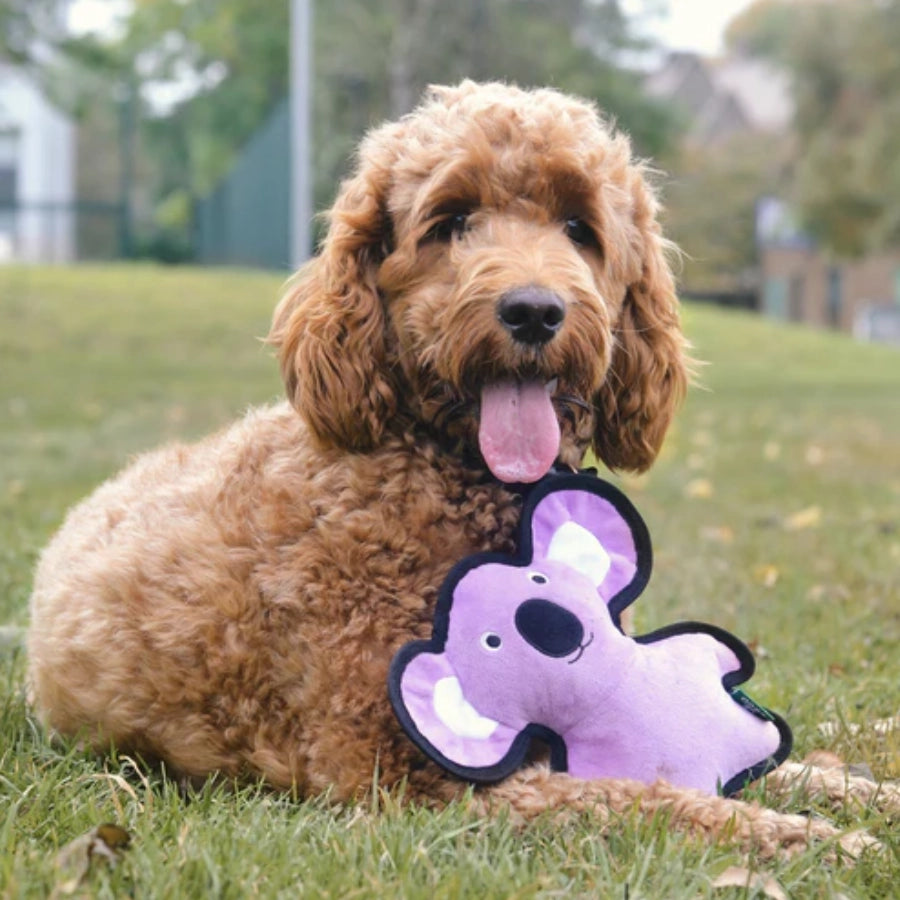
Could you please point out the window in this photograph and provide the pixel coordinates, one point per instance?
(9, 170)
(834, 296)
(775, 293)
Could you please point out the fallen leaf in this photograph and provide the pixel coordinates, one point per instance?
(767, 576)
(815, 456)
(718, 534)
(105, 842)
(739, 877)
(771, 451)
(811, 517)
(757, 649)
(698, 489)
(881, 727)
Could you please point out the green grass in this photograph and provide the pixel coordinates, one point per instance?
(774, 509)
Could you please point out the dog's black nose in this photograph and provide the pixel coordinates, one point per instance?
(532, 315)
(548, 627)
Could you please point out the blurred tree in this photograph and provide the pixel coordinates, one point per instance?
(198, 78)
(211, 70)
(846, 70)
(711, 197)
(374, 59)
(764, 28)
(847, 75)
(28, 26)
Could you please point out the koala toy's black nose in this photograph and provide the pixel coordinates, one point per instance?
(549, 628)
(532, 315)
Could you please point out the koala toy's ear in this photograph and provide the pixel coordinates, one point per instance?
(593, 527)
(428, 700)
(575, 546)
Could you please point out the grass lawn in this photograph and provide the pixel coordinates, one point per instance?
(774, 511)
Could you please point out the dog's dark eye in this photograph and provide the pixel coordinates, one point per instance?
(579, 232)
(450, 226)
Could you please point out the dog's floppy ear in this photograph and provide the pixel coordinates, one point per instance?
(650, 368)
(329, 327)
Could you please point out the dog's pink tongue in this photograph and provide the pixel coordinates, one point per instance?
(519, 432)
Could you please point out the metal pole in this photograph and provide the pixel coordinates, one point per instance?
(301, 122)
(127, 106)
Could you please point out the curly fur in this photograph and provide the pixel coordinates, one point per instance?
(232, 607)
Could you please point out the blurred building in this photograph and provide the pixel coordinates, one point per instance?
(802, 283)
(37, 173)
(794, 278)
(721, 99)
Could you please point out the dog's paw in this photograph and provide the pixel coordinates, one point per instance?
(854, 843)
(824, 779)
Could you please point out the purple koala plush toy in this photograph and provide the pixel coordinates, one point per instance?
(530, 647)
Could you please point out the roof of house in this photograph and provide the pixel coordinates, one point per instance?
(724, 97)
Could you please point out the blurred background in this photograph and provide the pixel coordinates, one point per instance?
(162, 129)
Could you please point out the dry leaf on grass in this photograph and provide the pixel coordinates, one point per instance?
(815, 456)
(767, 576)
(739, 877)
(757, 649)
(881, 727)
(699, 489)
(811, 517)
(73, 863)
(718, 534)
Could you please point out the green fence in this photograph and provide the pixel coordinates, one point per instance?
(246, 219)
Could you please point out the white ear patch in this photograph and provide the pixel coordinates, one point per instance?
(575, 546)
(457, 713)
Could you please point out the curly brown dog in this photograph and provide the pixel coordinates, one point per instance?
(492, 297)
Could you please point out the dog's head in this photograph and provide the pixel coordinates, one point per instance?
(493, 272)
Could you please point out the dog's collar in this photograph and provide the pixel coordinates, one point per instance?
(556, 470)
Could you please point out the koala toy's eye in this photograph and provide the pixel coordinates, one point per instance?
(491, 641)
(537, 577)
